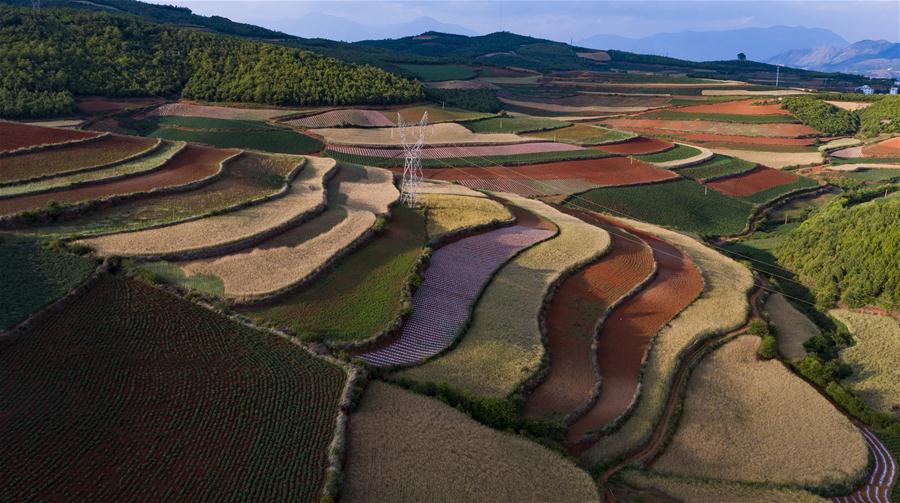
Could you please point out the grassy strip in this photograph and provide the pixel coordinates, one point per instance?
(434, 73)
(206, 123)
(764, 196)
(863, 160)
(505, 160)
(676, 153)
(717, 167)
(584, 134)
(278, 141)
(514, 125)
(681, 204)
(700, 116)
(35, 274)
(872, 175)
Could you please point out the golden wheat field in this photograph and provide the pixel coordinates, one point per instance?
(721, 307)
(703, 491)
(743, 416)
(448, 133)
(875, 358)
(450, 213)
(404, 447)
(792, 327)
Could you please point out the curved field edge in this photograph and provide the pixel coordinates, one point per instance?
(686, 489)
(307, 416)
(503, 347)
(720, 308)
(782, 421)
(405, 447)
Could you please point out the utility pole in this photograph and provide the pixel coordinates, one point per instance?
(777, 74)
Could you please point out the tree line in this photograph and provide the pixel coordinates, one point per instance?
(50, 56)
(882, 116)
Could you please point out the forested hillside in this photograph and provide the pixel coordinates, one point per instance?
(849, 253)
(50, 55)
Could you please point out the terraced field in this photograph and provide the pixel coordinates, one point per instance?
(875, 359)
(686, 489)
(35, 276)
(163, 411)
(189, 166)
(342, 118)
(275, 140)
(185, 109)
(502, 346)
(448, 152)
(680, 114)
(718, 166)
(678, 153)
(721, 307)
(268, 268)
(761, 184)
(886, 148)
(208, 235)
(748, 108)
(15, 135)
(582, 134)
(456, 275)
(714, 127)
(792, 328)
(75, 157)
(782, 421)
(637, 146)
(625, 337)
(450, 213)
(248, 177)
(572, 318)
(514, 125)
(435, 134)
(701, 211)
(436, 113)
(361, 295)
(404, 447)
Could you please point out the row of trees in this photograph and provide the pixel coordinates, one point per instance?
(51, 55)
(882, 116)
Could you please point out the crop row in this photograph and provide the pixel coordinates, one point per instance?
(17, 136)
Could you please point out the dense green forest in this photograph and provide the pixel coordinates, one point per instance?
(50, 55)
(883, 116)
(821, 116)
(479, 100)
(849, 253)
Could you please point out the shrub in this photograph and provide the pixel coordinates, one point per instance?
(821, 116)
(758, 328)
(768, 348)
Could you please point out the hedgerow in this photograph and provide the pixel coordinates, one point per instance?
(883, 116)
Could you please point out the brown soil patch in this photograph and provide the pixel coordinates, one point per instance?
(751, 182)
(887, 148)
(56, 161)
(191, 164)
(727, 128)
(576, 306)
(98, 104)
(627, 333)
(743, 107)
(607, 171)
(725, 139)
(639, 145)
(15, 135)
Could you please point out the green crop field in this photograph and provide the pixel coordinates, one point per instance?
(677, 153)
(489, 160)
(864, 160)
(767, 195)
(434, 73)
(681, 204)
(699, 116)
(34, 276)
(873, 174)
(136, 384)
(207, 123)
(514, 125)
(278, 141)
(718, 166)
(361, 295)
(583, 134)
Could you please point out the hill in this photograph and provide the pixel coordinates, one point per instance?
(45, 63)
(875, 58)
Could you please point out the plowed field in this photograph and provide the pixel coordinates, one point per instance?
(743, 107)
(191, 164)
(98, 104)
(728, 128)
(15, 135)
(725, 139)
(757, 179)
(887, 148)
(340, 118)
(71, 158)
(637, 146)
(630, 328)
(573, 314)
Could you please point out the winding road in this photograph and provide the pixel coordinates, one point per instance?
(877, 488)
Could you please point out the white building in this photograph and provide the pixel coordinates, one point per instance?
(866, 89)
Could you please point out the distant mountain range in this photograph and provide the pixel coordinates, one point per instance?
(875, 58)
(319, 25)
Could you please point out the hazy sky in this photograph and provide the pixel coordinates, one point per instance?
(562, 20)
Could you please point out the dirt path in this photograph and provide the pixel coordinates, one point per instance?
(877, 488)
(649, 450)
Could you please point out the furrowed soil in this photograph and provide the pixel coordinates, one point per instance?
(756, 180)
(99, 104)
(737, 141)
(887, 148)
(70, 158)
(627, 333)
(729, 128)
(15, 135)
(574, 311)
(191, 164)
(638, 145)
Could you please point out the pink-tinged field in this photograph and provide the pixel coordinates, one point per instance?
(877, 488)
(887, 148)
(452, 151)
(742, 107)
(347, 117)
(218, 112)
(456, 274)
(726, 128)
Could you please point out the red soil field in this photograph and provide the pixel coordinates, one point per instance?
(728, 128)
(75, 157)
(576, 306)
(743, 107)
(725, 139)
(98, 104)
(607, 171)
(751, 182)
(639, 145)
(191, 164)
(15, 135)
(627, 333)
(887, 148)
